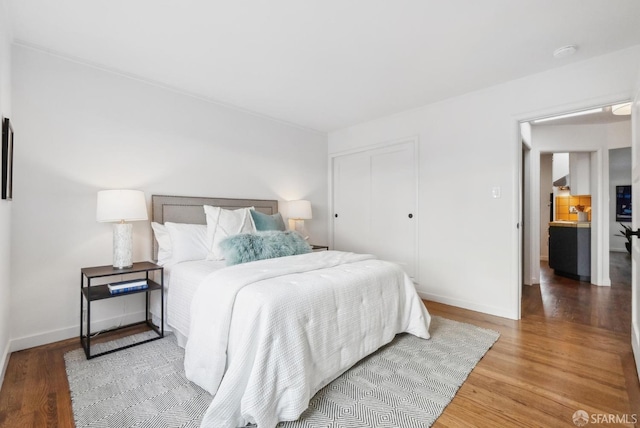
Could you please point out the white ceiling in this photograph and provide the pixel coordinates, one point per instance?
(325, 64)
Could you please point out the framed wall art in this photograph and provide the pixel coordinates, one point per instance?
(7, 159)
(623, 203)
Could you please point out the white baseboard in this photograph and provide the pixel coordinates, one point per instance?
(465, 304)
(4, 362)
(73, 331)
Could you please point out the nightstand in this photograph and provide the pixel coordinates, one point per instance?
(319, 247)
(93, 293)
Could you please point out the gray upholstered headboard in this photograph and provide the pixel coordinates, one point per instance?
(188, 209)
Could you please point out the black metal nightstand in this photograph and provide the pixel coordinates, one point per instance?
(100, 292)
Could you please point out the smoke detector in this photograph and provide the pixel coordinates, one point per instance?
(565, 51)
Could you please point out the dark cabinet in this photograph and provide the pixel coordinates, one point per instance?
(570, 250)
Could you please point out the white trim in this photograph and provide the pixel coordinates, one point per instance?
(4, 362)
(635, 344)
(52, 336)
(599, 238)
(528, 272)
(466, 304)
(416, 165)
(518, 237)
(635, 281)
(380, 145)
(600, 221)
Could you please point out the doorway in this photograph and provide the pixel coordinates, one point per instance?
(576, 134)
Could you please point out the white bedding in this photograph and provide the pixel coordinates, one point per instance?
(266, 336)
(181, 283)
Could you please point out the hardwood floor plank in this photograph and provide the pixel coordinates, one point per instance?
(519, 405)
(632, 383)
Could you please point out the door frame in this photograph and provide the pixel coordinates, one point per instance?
(415, 140)
(599, 223)
(530, 244)
(635, 222)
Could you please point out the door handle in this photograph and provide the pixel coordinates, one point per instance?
(629, 233)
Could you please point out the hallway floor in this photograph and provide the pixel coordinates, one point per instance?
(562, 298)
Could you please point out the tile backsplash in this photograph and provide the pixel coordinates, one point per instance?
(565, 207)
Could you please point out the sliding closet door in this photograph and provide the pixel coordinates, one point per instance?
(375, 203)
(352, 198)
(393, 216)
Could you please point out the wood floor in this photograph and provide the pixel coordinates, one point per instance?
(571, 351)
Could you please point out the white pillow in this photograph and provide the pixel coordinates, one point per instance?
(222, 223)
(188, 241)
(164, 242)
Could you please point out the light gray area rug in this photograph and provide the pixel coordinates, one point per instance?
(407, 383)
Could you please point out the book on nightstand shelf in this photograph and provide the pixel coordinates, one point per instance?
(126, 286)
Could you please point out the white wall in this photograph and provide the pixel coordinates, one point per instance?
(5, 206)
(468, 145)
(81, 130)
(574, 138)
(619, 175)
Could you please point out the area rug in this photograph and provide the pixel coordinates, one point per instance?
(406, 383)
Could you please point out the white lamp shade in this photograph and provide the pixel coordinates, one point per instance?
(299, 210)
(121, 205)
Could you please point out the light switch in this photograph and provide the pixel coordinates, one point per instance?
(496, 192)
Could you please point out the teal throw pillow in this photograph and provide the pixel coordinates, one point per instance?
(267, 222)
(249, 247)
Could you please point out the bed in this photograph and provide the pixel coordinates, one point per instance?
(263, 337)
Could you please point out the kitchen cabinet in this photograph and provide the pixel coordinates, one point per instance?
(580, 173)
(570, 249)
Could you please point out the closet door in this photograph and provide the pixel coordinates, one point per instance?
(351, 196)
(375, 203)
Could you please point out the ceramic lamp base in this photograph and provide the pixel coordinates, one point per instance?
(122, 245)
(298, 226)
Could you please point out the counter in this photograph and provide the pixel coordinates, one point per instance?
(564, 223)
(570, 249)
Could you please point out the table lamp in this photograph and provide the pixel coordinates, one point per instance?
(120, 206)
(298, 212)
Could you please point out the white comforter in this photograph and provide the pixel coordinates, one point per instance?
(266, 336)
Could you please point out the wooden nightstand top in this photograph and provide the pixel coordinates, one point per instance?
(98, 271)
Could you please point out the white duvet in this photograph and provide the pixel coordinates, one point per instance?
(266, 336)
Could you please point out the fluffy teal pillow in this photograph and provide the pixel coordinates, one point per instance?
(266, 221)
(248, 247)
